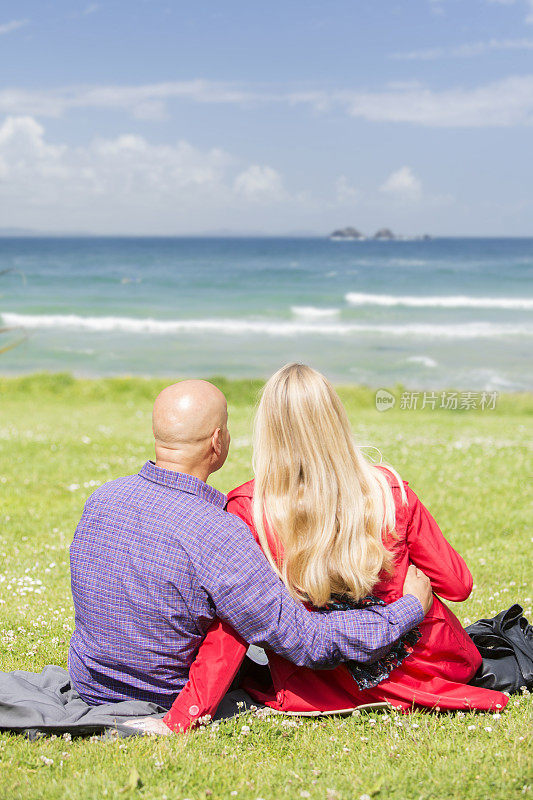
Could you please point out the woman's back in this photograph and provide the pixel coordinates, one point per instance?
(417, 539)
(443, 660)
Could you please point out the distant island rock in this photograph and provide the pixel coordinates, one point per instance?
(346, 233)
(384, 234)
(350, 234)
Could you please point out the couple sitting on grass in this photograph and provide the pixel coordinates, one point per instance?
(329, 563)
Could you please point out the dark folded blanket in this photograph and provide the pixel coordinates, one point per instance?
(36, 703)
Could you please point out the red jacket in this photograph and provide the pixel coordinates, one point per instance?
(435, 675)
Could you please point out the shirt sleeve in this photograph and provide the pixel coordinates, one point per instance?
(250, 597)
(429, 550)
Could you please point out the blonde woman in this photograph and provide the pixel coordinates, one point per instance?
(340, 532)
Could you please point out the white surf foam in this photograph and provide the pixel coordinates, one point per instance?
(425, 361)
(454, 301)
(311, 312)
(267, 327)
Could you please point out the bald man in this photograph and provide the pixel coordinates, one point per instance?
(190, 425)
(155, 558)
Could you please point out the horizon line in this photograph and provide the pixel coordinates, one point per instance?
(30, 234)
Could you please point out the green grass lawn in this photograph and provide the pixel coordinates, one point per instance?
(59, 438)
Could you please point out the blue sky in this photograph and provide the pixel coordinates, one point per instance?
(160, 117)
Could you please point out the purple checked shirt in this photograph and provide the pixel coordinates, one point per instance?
(155, 558)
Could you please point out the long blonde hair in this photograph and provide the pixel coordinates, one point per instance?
(316, 492)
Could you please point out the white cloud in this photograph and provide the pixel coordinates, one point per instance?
(13, 25)
(503, 103)
(259, 183)
(112, 167)
(133, 99)
(344, 191)
(403, 185)
(129, 184)
(123, 183)
(468, 50)
(90, 9)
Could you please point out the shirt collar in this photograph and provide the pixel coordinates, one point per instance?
(182, 482)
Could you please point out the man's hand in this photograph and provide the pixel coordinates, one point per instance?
(149, 725)
(419, 585)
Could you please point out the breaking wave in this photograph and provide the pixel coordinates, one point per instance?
(454, 301)
(311, 312)
(265, 327)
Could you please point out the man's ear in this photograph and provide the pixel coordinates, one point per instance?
(216, 442)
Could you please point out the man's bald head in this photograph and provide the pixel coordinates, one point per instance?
(188, 412)
(189, 422)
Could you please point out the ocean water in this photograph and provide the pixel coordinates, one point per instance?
(441, 313)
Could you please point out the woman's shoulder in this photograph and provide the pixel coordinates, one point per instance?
(244, 490)
(240, 502)
(401, 494)
(393, 479)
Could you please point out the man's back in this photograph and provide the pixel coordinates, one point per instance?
(140, 610)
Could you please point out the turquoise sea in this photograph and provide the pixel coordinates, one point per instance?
(430, 314)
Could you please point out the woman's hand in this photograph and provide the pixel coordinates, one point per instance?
(150, 725)
(419, 585)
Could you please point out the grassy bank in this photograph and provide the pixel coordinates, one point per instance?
(60, 437)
